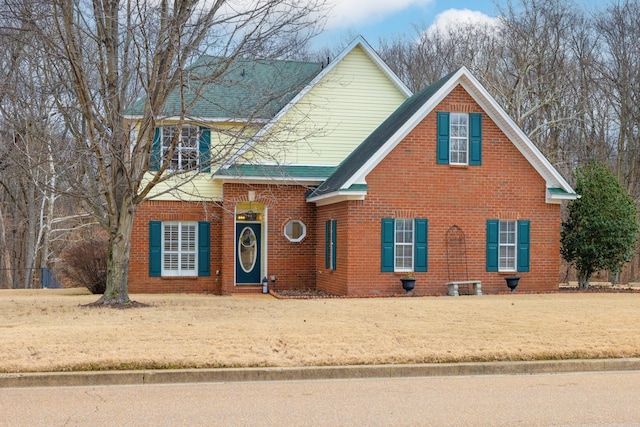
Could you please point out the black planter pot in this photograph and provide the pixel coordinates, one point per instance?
(408, 283)
(512, 282)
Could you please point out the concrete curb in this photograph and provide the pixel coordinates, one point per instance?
(146, 377)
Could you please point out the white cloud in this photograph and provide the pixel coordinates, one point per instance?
(455, 17)
(347, 13)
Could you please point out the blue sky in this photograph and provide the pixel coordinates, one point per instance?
(375, 19)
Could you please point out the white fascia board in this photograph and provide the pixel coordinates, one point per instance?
(336, 197)
(358, 41)
(559, 198)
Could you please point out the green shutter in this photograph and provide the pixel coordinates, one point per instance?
(388, 231)
(204, 149)
(334, 234)
(327, 244)
(492, 244)
(523, 245)
(330, 234)
(443, 139)
(204, 261)
(421, 243)
(155, 248)
(475, 139)
(156, 151)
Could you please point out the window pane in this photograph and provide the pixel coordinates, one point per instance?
(170, 261)
(404, 244)
(171, 238)
(507, 246)
(188, 238)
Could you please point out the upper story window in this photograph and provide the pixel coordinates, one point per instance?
(459, 138)
(459, 142)
(185, 156)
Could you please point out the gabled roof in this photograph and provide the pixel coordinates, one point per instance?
(357, 42)
(248, 89)
(349, 179)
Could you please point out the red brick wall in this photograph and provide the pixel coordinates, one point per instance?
(292, 263)
(139, 280)
(408, 183)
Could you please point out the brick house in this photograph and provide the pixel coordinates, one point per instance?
(370, 192)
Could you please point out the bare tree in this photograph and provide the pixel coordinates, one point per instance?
(619, 28)
(107, 53)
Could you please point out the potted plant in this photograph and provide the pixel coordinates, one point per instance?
(408, 282)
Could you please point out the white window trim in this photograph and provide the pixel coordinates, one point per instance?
(411, 245)
(513, 245)
(179, 148)
(302, 236)
(180, 272)
(457, 138)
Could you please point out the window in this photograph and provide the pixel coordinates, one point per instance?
(404, 244)
(330, 233)
(508, 245)
(458, 145)
(179, 242)
(179, 249)
(295, 230)
(459, 139)
(403, 249)
(191, 150)
(185, 155)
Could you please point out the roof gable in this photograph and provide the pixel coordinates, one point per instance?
(354, 169)
(358, 43)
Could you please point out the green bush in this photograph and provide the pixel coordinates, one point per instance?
(601, 231)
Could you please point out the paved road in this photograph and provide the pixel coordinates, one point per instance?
(569, 399)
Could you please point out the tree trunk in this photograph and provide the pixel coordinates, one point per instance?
(583, 280)
(117, 289)
(6, 279)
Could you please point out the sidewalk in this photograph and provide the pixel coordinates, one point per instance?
(142, 377)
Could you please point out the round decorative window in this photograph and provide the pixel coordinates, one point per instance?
(295, 230)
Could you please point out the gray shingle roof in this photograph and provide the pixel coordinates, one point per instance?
(378, 138)
(248, 89)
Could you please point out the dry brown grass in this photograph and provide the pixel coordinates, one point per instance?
(47, 330)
